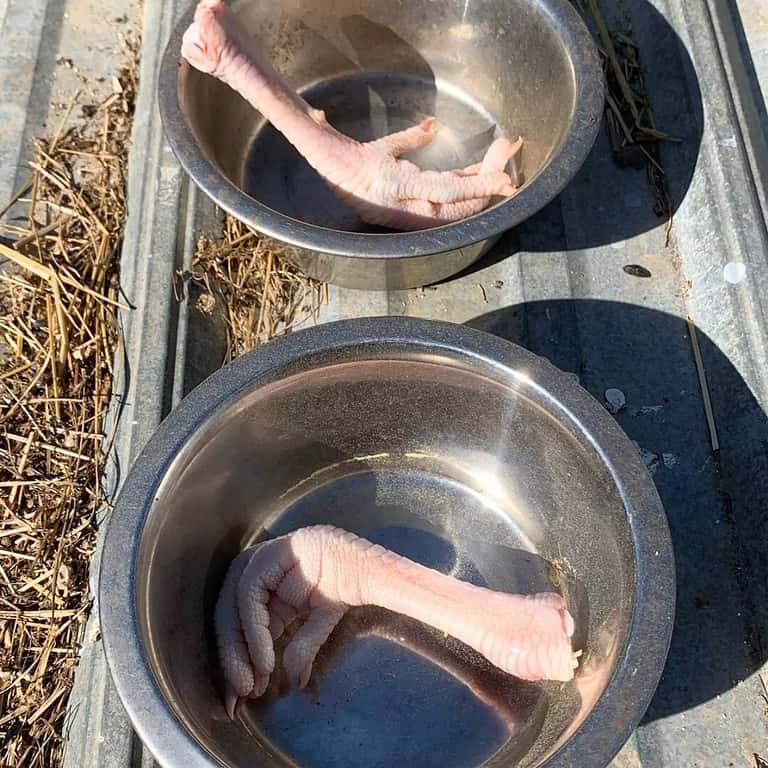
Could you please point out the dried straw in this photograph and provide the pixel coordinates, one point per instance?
(58, 336)
(635, 139)
(246, 278)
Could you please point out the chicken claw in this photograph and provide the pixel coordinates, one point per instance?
(321, 570)
(371, 178)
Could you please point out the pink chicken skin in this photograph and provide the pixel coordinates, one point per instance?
(321, 571)
(371, 178)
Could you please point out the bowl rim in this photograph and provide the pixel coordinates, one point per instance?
(636, 676)
(492, 222)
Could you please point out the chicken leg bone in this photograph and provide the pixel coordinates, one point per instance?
(322, 570)
(371, 178)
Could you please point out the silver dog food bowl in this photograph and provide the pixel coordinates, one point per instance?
(448, 445)
(502, 67)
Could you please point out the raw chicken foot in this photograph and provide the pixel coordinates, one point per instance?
(369, 177)
(322, 570)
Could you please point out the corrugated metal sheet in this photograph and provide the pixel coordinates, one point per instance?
(557, 286)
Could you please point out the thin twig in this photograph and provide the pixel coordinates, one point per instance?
(704, 386)
(617, 114)
(15, 198)
(610, 51)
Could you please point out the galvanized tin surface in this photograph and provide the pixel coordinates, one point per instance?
(557, 286)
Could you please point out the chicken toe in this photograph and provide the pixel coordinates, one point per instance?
(232, 648)
(410, 139)
(263, 573)
(281, 614)
(300, 653)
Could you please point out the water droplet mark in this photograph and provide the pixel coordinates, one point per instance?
(734, 272)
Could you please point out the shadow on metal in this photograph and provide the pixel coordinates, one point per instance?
(621, 198)
(716, 501)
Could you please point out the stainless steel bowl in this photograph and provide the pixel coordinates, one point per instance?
(506, 67)
(444, 443)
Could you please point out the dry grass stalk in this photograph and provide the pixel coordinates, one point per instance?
(260, 295)
(58, 336)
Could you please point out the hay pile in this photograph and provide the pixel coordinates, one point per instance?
(58, 335)
(243, 276)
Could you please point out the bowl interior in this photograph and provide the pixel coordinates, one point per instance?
(468, 472)
(482, 67)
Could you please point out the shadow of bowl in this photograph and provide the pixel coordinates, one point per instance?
(622, 203)
(715, 501)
